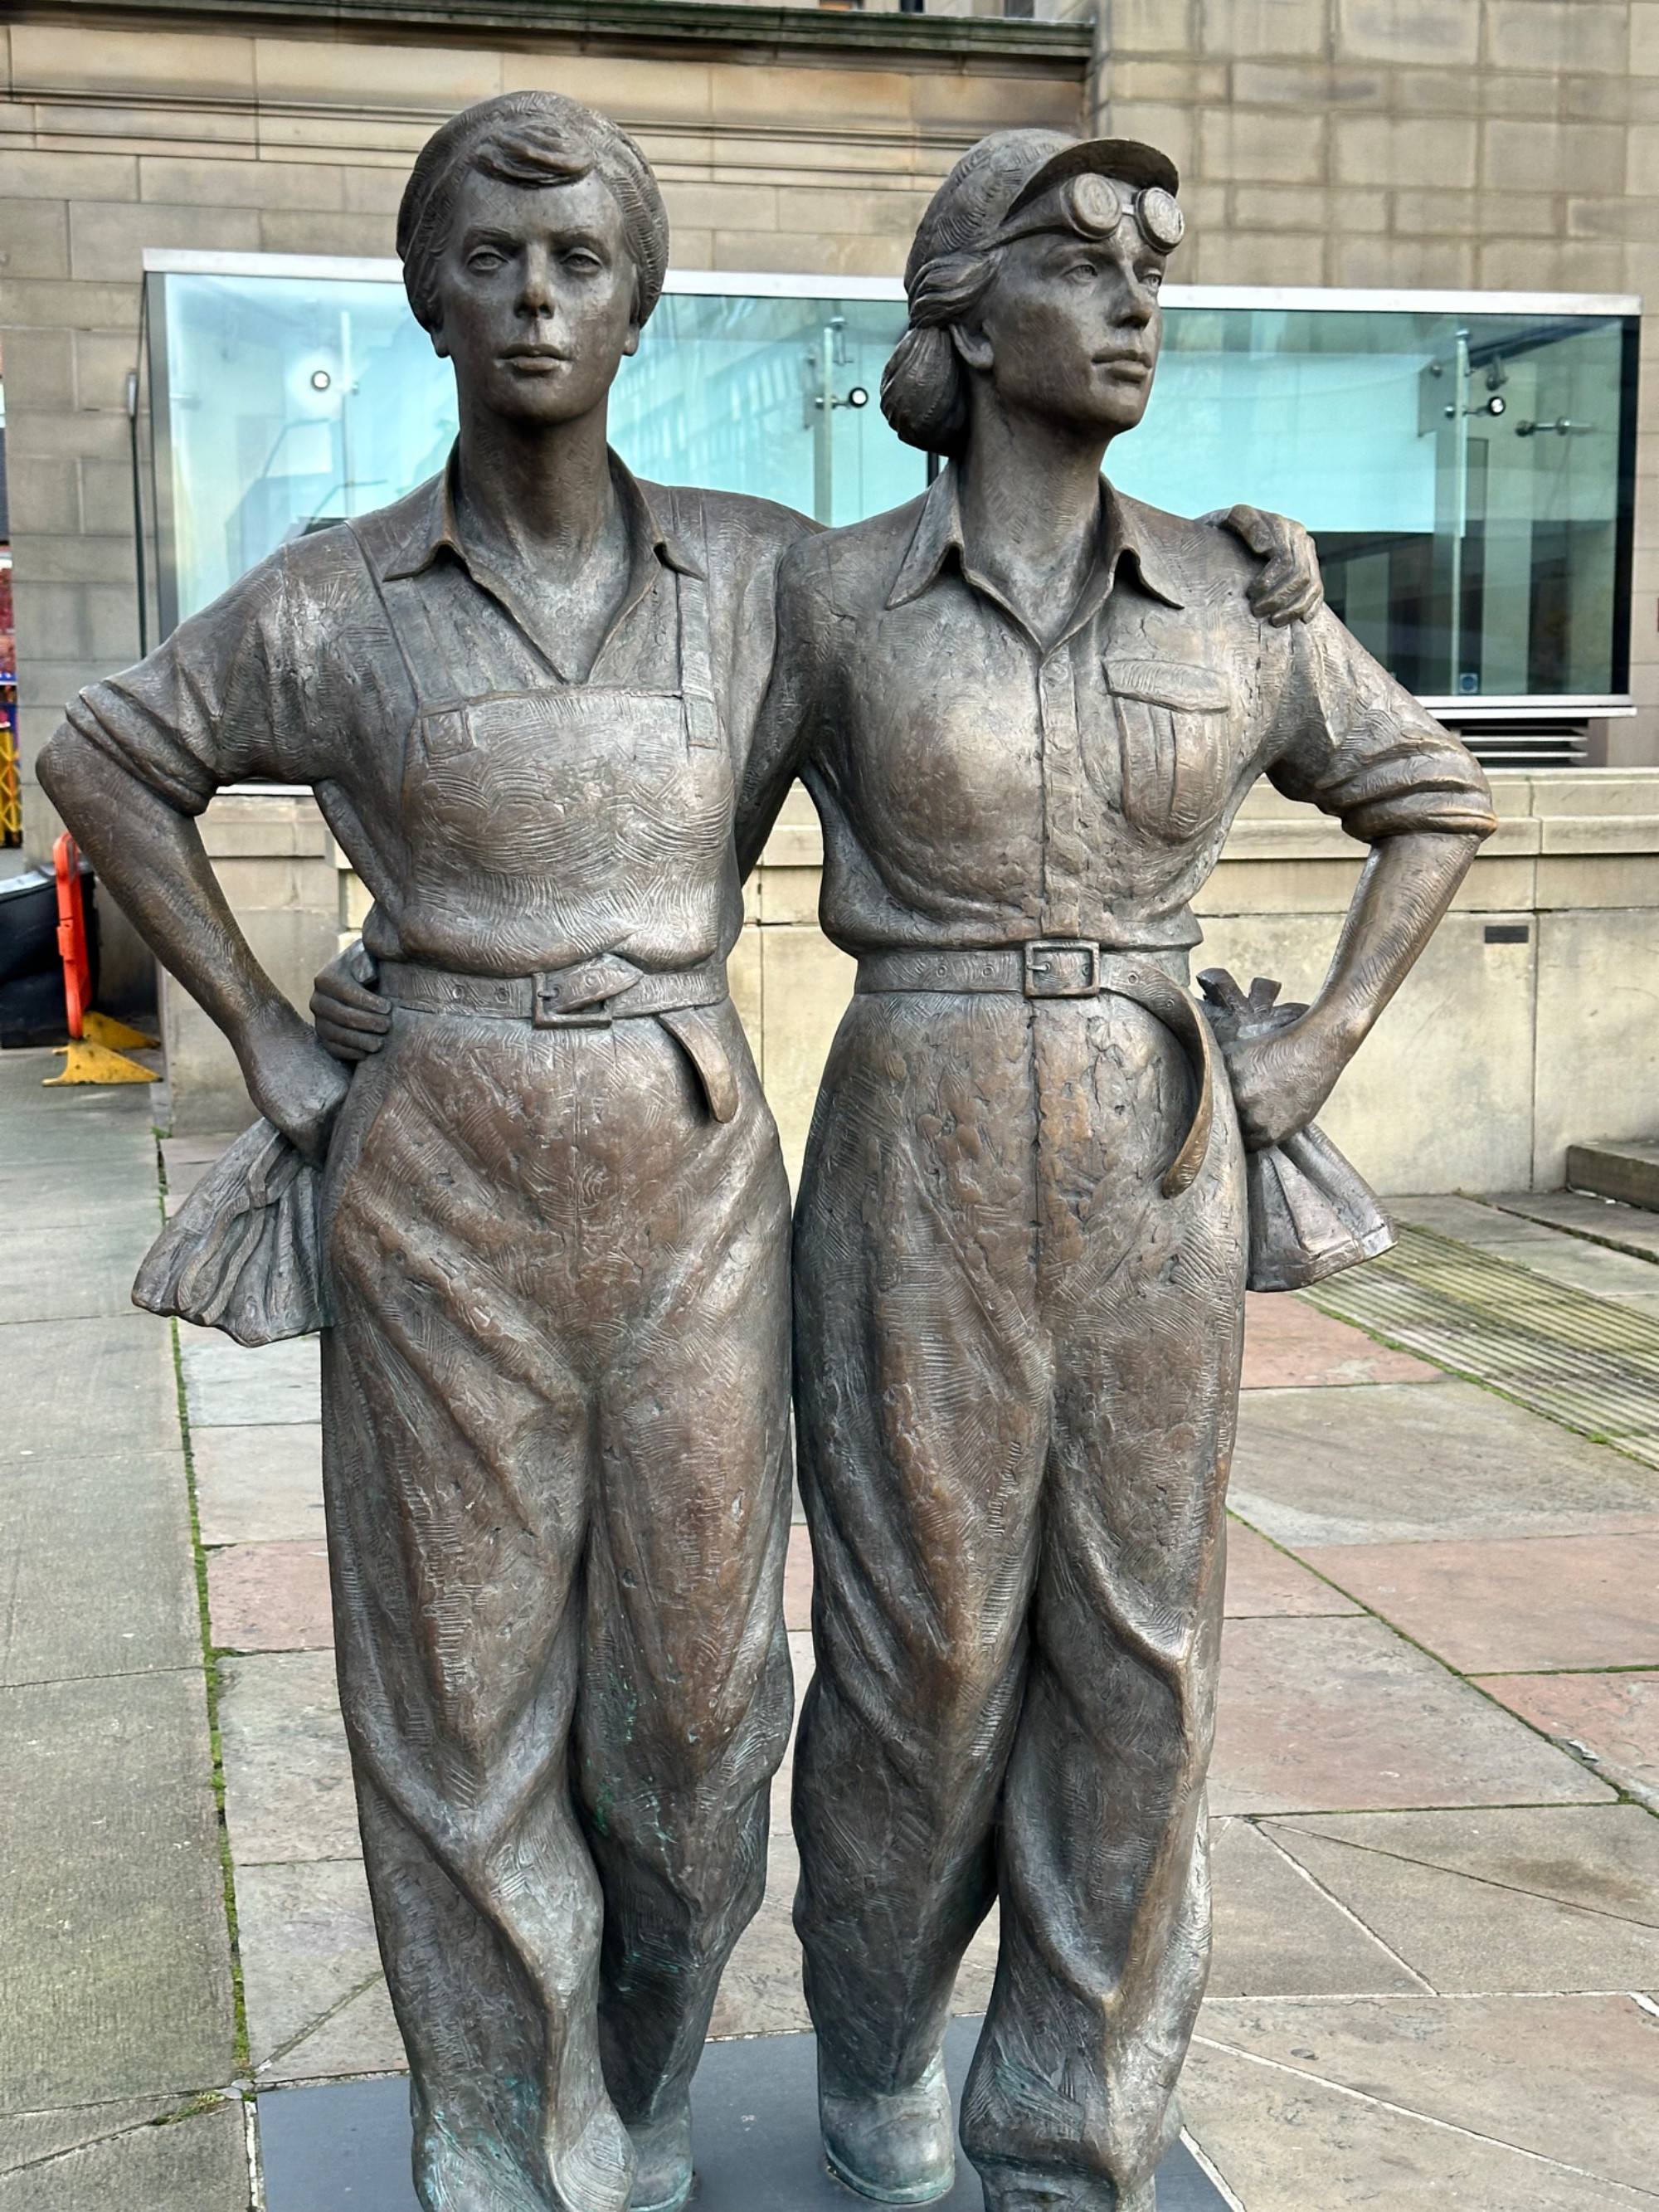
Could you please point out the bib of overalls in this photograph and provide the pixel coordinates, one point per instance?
(545, 824)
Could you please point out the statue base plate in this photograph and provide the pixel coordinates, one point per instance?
(344, 2147)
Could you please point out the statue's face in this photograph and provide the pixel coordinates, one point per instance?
(536, 295)
(1071, 327)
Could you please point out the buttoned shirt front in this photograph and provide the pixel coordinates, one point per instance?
(978, 788)
(343, 659)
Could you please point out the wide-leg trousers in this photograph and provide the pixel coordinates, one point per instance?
(1017, 1373)
(556, 1402)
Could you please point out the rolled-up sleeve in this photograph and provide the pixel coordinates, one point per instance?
(1360, 747)
(221, 701)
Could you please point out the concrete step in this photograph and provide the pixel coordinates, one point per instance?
(1624, 1167)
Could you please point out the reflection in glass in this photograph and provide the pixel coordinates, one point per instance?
(1467, 476)
(291, 402)
(731, 392)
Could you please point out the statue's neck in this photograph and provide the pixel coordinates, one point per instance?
(536, 494)
(1030, 515)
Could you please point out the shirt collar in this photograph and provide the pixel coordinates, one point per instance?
(423, 525)
(1126, 527)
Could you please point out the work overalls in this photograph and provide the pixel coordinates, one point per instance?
(555, 1426)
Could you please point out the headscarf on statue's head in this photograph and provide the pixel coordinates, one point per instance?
(1009, 186)
(532, 139)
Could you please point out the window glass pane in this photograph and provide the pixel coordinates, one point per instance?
(730, 392)
(1461, 475)
(291, 402)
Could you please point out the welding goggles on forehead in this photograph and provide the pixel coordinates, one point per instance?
(1093, 206)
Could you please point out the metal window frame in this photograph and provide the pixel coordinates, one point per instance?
(160, 262)
(763, 285)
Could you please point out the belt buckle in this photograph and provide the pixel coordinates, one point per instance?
(545, 1013)
(1041, 979)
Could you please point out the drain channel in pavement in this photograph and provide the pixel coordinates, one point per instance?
(1589, 1362)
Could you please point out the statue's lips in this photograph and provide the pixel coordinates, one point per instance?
(536, 359)
(1133, 365)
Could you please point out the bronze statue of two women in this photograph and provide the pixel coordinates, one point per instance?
(550, 714)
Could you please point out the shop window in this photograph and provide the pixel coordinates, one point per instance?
(1465, 464)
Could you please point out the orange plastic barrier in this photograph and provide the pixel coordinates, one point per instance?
(72, 933)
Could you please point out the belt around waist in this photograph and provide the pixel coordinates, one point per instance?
(590, 995)
(1068, 968)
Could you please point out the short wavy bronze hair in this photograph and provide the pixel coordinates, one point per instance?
(532, 139)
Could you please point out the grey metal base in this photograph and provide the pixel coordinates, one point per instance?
(345, 2148)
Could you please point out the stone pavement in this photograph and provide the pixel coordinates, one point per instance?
(118, 2036)
(1436, 1858)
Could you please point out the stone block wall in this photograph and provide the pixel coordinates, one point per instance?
(121, 132)
(1497, 145)
(1496, 1054)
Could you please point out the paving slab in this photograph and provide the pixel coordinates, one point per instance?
(756, 2144)
(1264, 1582)
(195, 2163)
(1471, 1220)
(306, 1933)
(1619, 1276)
(800, 1661)
(115, 1973)
(1466, 1932)
(1548, 1249)
(1616, 1717)
(1603, 1857)
(797, 1581)
(1277, 1933)
(1496, 2105)
(28, 2138)
(1403, 1463)
(83, 1270)
(1605, 1220)
(288, 1772)
(231, 1385)
(361, 2038)
(258, 1485)
(68, 1127)
(271, 1597)
(1341, 1715)
(92, 1387)
(1512, 1605)
(1290, 1345)
(96, 1575)
(124, 1178)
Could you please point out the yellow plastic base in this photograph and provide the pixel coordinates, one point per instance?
(85, 1062)
(104, 1029)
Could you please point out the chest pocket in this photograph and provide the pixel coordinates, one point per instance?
(1175, 738)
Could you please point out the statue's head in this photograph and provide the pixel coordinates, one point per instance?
(1035, 273)
(534, 243)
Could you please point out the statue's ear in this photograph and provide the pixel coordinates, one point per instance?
(972, 346)
(440, 343)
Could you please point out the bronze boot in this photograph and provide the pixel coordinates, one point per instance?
(897, 2146)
